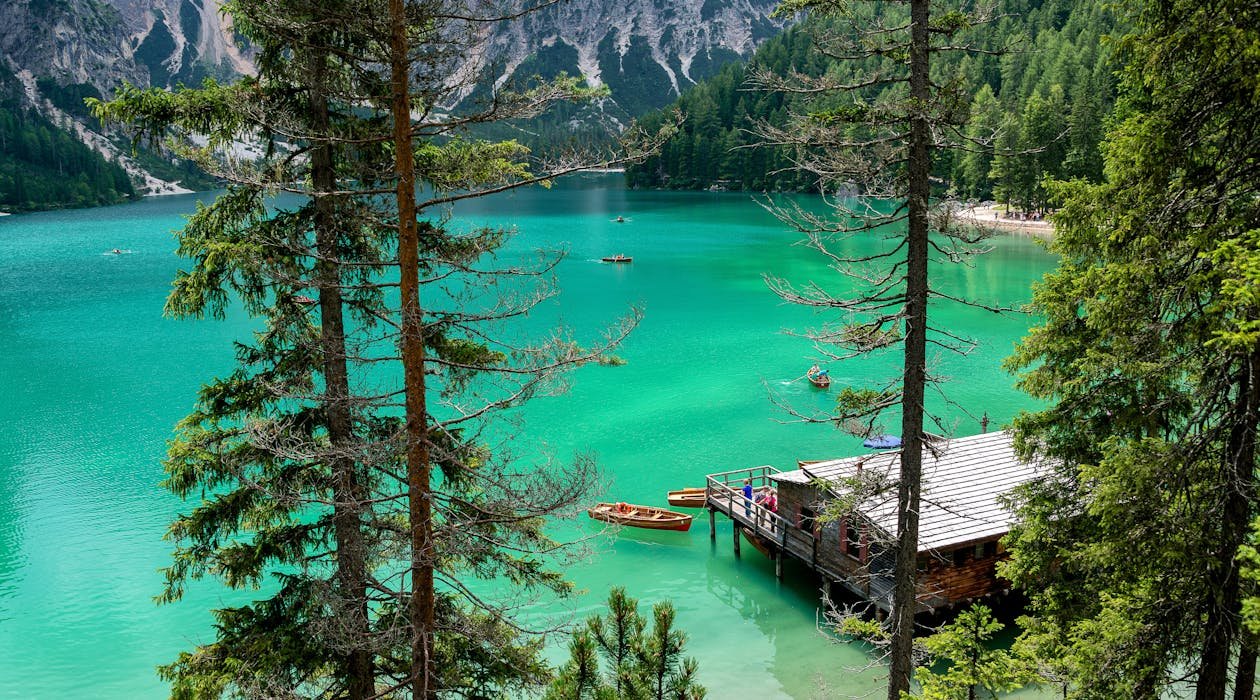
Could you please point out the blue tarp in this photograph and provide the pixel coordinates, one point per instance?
(882, 442)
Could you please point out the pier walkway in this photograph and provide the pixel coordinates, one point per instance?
(774, 536)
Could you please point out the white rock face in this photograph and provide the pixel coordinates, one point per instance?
(161, 42)
(676, 30)
(145, 183)
(646, 51)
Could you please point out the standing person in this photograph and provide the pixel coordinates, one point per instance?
(748, 494)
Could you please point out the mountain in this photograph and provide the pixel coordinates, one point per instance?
(44, 166)
(647, 52)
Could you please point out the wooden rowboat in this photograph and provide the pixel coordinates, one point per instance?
(641, 516)
(618, 258)
(692, 497)
(759, 543)
(821, 381)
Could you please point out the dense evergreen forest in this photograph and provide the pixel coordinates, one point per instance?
(44, 167)
(1042, 97)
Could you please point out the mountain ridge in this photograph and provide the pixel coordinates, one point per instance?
(646, 51)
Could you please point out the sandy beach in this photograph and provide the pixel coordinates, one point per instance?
(991, 216)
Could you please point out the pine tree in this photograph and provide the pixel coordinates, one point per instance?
(1150, 355)
(313, 483)
(967, 645)
(642, 663)
(872, 138)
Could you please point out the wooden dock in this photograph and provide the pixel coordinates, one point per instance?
(799, 540)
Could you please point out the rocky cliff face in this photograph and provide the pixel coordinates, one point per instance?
(645, 51)
(145, 42)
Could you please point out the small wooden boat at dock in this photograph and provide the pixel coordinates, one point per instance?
(648, 517)
(758, 542)
(618, 258)
(691, 497)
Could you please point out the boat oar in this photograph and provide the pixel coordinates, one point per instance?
(800, 378)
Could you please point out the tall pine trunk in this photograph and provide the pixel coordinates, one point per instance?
(419, 467)
(1245, 680)
(904, 602)
(1223, 584)
(347, 489)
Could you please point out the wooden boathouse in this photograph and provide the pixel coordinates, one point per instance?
(960, 524)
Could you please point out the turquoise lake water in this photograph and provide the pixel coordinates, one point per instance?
(93, 378)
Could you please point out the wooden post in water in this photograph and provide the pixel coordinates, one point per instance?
(778, 563)
(712, 523)
(735, 530)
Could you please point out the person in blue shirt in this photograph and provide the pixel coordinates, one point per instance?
(748, 494)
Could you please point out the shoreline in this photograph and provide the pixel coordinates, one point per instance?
(987, 217)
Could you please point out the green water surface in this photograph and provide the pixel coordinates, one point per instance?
(92, 379)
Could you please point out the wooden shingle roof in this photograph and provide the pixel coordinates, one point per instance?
(962, 479)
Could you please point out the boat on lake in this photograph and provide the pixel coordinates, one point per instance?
(633, 515)
(691, 497)
(618, 258)
(882, 442)
(819, 378)
(758, 542)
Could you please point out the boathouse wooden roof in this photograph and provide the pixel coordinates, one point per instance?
(962, 480)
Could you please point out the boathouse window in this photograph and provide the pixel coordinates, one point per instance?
(991, 548)
(960, 556)
(808, 517)
(852, 539)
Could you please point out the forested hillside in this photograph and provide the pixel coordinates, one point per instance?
(43, 167)
(1054, 86)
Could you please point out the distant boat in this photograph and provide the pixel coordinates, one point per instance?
(300, 299)
(618, 258)
(819, 378)
(882, 442)
(620, 219)
(648, 517)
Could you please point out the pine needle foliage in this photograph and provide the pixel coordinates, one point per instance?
(297, 465)
(638, 662)
(1150, 361)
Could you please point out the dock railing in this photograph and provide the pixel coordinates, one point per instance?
(723, 491)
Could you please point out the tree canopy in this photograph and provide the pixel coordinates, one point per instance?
(1042, 80)
(1150, 357)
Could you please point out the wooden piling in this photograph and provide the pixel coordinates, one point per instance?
(712, 524)
(735, 529)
